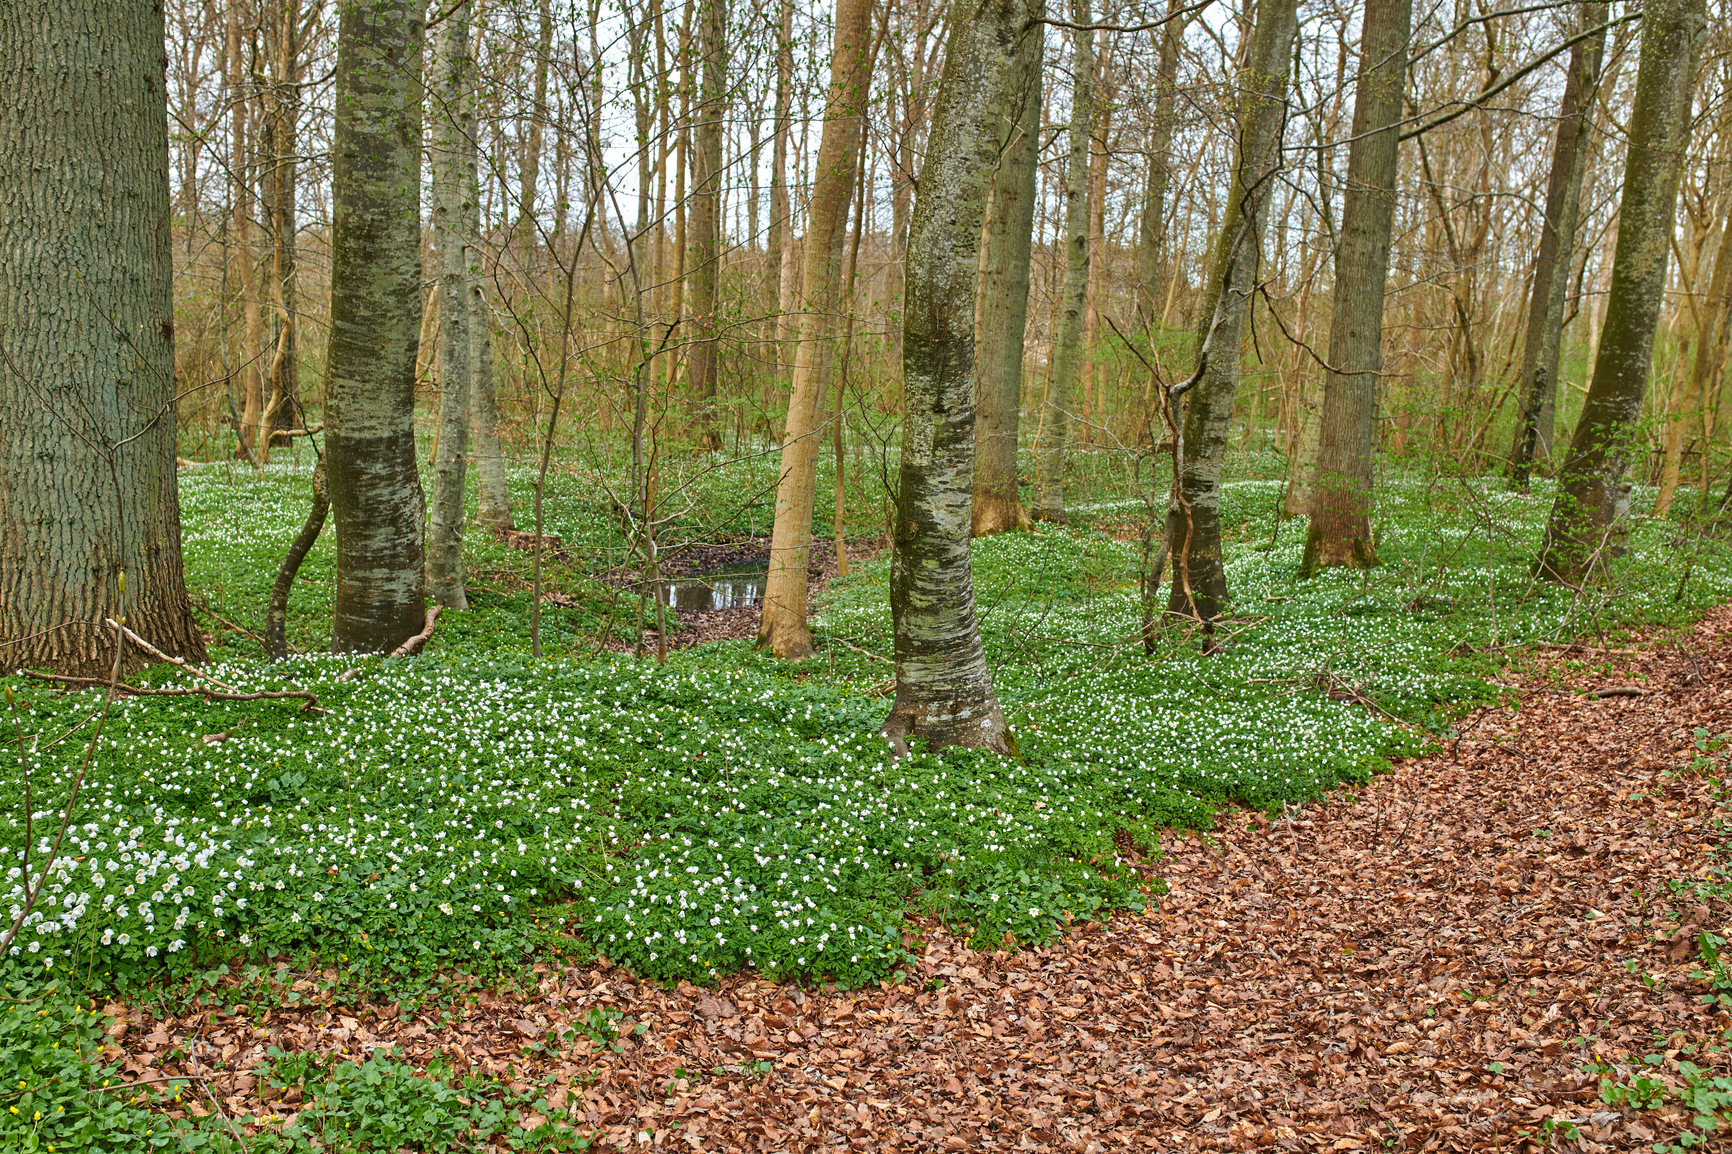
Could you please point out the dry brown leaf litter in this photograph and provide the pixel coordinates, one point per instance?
(1349, 976)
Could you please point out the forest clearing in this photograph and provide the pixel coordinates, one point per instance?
(875, 574)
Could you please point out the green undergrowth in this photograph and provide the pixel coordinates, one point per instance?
(465, 810)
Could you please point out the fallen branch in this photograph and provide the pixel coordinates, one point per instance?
(161, 656)
(413, 646)
(862, 652)
(311, 699)
(1618, 691)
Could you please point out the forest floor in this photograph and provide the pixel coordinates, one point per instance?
(1502, 944)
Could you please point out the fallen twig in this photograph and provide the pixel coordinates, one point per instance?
(311, 699)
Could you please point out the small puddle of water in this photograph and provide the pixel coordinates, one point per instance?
(733, 587)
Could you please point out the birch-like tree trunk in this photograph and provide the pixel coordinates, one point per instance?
(943, 688)
(703, 262)
(1054, 439)
(376, 497)
(1194, 522)
(89, 515)
(1552, 264)
(456, 220)
(1340, 531)
(782, 621)
(1593, 496)
(998, 352)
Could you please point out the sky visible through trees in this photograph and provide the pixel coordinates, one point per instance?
(505, 499)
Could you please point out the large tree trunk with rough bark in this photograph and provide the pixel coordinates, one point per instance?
(998, 351)
(375, 490)
(1593, 496)
(1340, 531)
(89, 516)
(943, 689)
(456, 219)
(1194, 523)
(1539, 379)
(1067, 341)
(782, 622)
(703, 262)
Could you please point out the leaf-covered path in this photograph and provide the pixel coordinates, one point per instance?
(1432, 964)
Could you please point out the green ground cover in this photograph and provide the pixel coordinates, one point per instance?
(466, 809)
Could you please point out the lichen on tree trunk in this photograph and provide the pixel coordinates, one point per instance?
(376, 497)
(943, 688)
(1593, 496)
(87, 421)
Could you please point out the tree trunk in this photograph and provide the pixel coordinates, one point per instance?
(1593, 496)
(246, 270)
(529, 168)
(1199, 587)
(778, 239)
(89, 515)
(943, 688)
(456, 219)
(283, 403)
(703, 264)
(1552, 263)
(1153, 221)
(782, 621)
(1055, 424)
(1340, 532)
(376, 496)
(1004, 303)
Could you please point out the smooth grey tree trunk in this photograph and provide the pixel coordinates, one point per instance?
(1593, 496)
(456, 219)
(1151, 226)
(1340, 531)
(1067, 342)
(492, 484)
(782, 627)
(998, 350)
(376, 497)
(1194, 523)
(87, 422)
(1552, 263)
(943, 688)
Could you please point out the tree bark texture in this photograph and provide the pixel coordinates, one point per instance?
(1199, 586)
(943, 688)
(703, 263)
(87, 423)
(1593, 496)
(782, 625)
(376, 496)
(1067, 341)
(282, 409)
(456, 219)
(1340, 530)
(1152, 224)
(1552, 264)
(998, 353)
